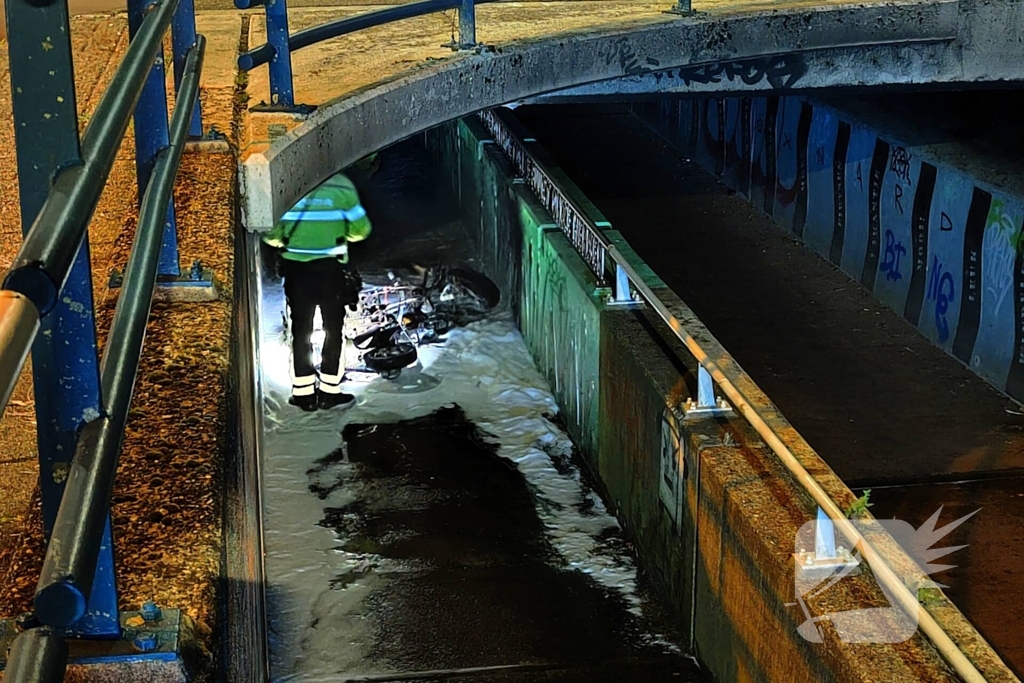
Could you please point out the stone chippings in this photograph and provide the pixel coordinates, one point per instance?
(166, 506)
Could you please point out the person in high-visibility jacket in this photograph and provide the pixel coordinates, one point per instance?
(312, 242)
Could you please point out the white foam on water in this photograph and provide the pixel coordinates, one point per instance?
(484, 368)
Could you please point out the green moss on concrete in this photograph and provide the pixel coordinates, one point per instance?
(560, 320)
(546, 285)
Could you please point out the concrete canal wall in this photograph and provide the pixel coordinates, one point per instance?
(930, 225)
(711, 511)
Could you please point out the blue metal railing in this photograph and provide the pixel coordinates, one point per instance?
(82, 403)
(280, 44)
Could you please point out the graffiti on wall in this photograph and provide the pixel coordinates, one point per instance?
(628, 59)
(999, 252)
(919, 218)
(736, 171)
(894, 253)
(941, 289)
(835, 253)
(900, 164)
(674, 447)
(792, 146)
(957, 251)
(876, 177)
(763, 171)
(779, 72)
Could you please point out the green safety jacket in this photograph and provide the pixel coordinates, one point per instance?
(322, 223)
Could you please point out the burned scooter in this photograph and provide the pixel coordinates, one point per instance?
(396, 318)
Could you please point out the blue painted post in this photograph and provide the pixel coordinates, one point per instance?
(705, 389)
(623, 292)
(824, 537)
(281, 93)
(183, 37)
(65, 363)
(467, 24)
(151, 137)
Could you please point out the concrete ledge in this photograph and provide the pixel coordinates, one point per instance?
(278, 173)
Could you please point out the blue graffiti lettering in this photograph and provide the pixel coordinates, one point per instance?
(894, 251)
(941, 290)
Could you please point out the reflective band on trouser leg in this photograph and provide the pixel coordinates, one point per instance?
(335, 250)
(304, 386)
(331, 384)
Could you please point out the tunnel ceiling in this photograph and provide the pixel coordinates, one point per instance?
(904, 43)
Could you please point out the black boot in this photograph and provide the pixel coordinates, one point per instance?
(328, 401)
(306, 403)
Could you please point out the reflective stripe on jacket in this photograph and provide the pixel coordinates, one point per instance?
(321, 224)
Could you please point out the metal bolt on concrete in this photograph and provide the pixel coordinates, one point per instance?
(150, 611)
(146, 642)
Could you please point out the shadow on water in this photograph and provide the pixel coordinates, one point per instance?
(412, 210)
(481, 585)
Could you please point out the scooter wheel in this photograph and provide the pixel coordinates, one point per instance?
(387, 359)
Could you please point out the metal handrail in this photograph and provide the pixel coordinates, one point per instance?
(280, 44)
(67, 574)
(674, 312)
(40, 654)
(45, 258)
(247, 61)
(19, 324)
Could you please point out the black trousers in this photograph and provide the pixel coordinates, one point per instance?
(309, 284)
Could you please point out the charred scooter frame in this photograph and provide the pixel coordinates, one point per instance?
(397, 318)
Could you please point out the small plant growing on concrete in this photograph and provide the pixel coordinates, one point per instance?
(860, 506)
(929, 596)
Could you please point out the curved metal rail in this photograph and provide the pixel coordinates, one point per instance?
(280, 44)
(605, 259)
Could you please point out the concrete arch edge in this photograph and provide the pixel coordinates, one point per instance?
(973, 41)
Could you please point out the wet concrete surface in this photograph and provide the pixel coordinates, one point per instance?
(445, 533)
(480, 587)
(884, 407)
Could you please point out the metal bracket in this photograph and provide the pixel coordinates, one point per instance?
(298, 109)
(610, 302)
(477, 48)
(707, 404)
(683, 8)
(211, 141)
(826, 556)
(621, 293)
(199, 284)
(150, 633)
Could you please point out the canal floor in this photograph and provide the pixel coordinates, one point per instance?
(441, 529)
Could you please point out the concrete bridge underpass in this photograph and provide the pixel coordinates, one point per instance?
(597, 425)
(733, 47)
